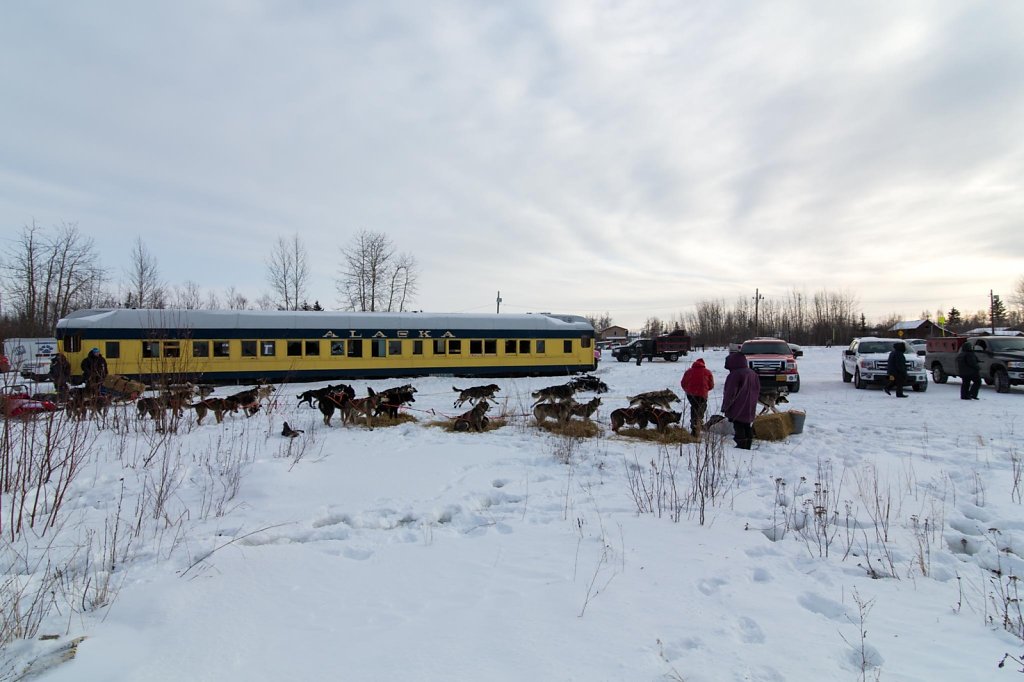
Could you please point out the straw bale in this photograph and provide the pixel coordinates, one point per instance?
(773, 426)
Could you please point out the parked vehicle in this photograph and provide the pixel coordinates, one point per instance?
(797, 350)
(1001, 359)
(774, 362)
(32, 355)
(919, 346)
(866, 362)
(668, 346)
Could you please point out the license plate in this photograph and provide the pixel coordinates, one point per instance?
(780, 377)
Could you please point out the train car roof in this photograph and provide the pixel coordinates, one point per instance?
(134, 318)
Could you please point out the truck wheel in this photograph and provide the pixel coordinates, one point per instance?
(672, 357)
(1002, 381)
(939, 375)
(857, 381)
(795, 388)
(622, 357)
(847, 377)
(921, 387)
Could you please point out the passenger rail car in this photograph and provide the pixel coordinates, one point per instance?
(247, 346)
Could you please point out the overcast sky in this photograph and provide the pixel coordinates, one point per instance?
(579, 156)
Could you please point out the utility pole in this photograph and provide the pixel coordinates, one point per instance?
(498, 301)
(757, 299)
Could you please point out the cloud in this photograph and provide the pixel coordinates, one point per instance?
(627, 157)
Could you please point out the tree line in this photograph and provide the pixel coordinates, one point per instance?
(48, 273)
(822, 317)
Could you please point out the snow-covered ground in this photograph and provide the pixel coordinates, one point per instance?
(414, 553)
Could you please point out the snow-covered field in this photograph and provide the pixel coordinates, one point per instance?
(414, 553)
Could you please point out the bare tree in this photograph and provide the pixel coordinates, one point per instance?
(144, 288)
(188, 296)
(266, 302)
(47, 276)
(374, 277)
(235, 300)
(288, 272)
(1017, 295)
(600, 322)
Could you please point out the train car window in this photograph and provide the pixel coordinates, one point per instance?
(541, 346)
(355, 348)
(312, 348)
(524, 347)
(73, 343)
(377, 348)
(394, 347)
(567, 347)
(221, 349)
(172, 349)
(293, 349)
(510, 347)
(417, 347)
(476, 347)
(268, 349)
(586, 342)
(200, 349)
(112, 350)
(454, 346)
(337, 347)
(248, 349)
(150, 349)
(438, 346)
(490, 347)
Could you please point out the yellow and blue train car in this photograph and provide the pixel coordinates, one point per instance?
(221, 346)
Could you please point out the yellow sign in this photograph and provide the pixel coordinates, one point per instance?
(900, 333)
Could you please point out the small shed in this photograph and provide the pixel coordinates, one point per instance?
(613, 333)
(916, 329)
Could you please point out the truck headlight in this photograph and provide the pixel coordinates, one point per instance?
(1015, 364)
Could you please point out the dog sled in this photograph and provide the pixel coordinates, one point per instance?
(15, 401)
(119, 388)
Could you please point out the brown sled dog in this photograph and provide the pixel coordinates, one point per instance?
(475, 419)
(475, 393)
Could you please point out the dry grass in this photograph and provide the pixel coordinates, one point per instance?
(773, 426)
(673, 434)
(574, 428)
(449, 425)
(385, 421)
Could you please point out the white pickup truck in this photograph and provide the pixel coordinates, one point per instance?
(866, 362)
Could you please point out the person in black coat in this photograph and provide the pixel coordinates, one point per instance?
(897, 366)
(969, 369)
(94, 368)
(60, 373)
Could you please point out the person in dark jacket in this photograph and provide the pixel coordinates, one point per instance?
(739, 402)
(697, 382)
(94, 368)
(60, 373)
(897, 366)
(969, 369)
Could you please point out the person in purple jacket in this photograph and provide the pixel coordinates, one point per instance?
(739, 402)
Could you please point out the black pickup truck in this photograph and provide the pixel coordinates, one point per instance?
(1001, 359)
(669, 346)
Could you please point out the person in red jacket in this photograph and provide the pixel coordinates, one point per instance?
(697, 383)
